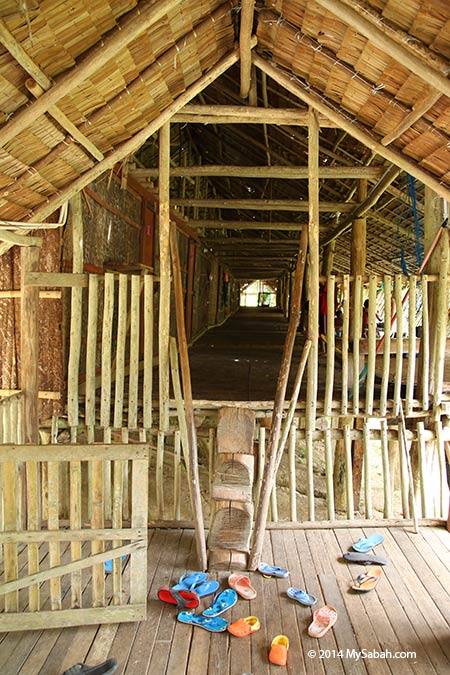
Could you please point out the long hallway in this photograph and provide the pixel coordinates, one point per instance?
(240, 360)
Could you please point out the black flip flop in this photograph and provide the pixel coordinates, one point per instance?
(364, 558)
(106, 668)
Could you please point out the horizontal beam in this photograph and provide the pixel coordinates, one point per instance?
(265, 204)
(245, 225)
(286, 172)
(241, 114)
(61, 279)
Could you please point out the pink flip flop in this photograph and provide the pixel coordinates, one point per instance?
(323, 619)
(241, 584)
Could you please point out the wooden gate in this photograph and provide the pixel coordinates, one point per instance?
(54, 558)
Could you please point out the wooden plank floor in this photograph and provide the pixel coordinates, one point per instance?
(408, 611)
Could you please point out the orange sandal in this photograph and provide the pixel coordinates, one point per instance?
(241, 584)
(244, 627)
(324, 618)
(278, 650)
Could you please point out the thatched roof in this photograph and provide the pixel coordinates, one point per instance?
(85, 85)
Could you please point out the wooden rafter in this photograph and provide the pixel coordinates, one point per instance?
(245, 48)
(357, 131)
(131, 145)
(39, 83)
(239, 114)
(288, 172)
(381, 40)
(133, 24)
(418, 110)
(243, 225)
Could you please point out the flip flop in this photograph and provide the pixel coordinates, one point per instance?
(108, 564)
(213, 624)
(106, 668)
(189, 580)
(365, 582)
(365, 545)
(244, 627)
(301, 596)
(364, 558)
(323, 619)
(221, 602)
(206, 588)
(182, 599)
(272, 571)
(241, 584)
(278, 650)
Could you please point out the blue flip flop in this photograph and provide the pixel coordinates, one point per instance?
(206, 588)
(189, 580)
(108, 565)
(301, 596)
(221, 602)
(272, 571)
(213, 624)
(364, 545)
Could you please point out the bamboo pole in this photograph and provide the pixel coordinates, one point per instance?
(164, 273)
(134, 24)
(133, 380)
(177, 475)
(367, 471)
(91, 353)
(159, 475)
(148, 352)
(348, 472)
(357, 309)
(387, 344)
(176, 384)
(189, 410)
(345, 340)
(372, 336)
(292, 474)
(421, 447)
(270, 465)
(120, 350)
(108, 310)
(245, 48)
(387, 511)
(331, 347)
(425, 344)
(261, 461)
(441, 319)
(410, 378)
(399, 344)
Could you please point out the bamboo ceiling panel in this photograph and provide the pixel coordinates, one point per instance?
(119, 99)
(369, 86)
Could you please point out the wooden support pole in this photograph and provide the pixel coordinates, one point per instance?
(164, 275)
(313, 312)
(190, 288)
(274, 437)
(245, 49)
(188, 405)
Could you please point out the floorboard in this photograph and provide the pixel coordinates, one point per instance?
(409, 610)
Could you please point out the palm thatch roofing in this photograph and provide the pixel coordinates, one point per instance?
(86, 85)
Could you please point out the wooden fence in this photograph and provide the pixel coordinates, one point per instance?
(54, 571)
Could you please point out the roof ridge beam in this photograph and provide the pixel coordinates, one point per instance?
(134, 24)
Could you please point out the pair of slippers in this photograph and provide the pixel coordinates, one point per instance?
(210, 619)
(187, 592)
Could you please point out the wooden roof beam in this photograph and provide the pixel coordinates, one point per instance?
(129, 28)
(244, 225)
(264, 204)
(245, 48)
(358, 131)
(287, 172)
(130, 146)
(371, 30)
(241, 114)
